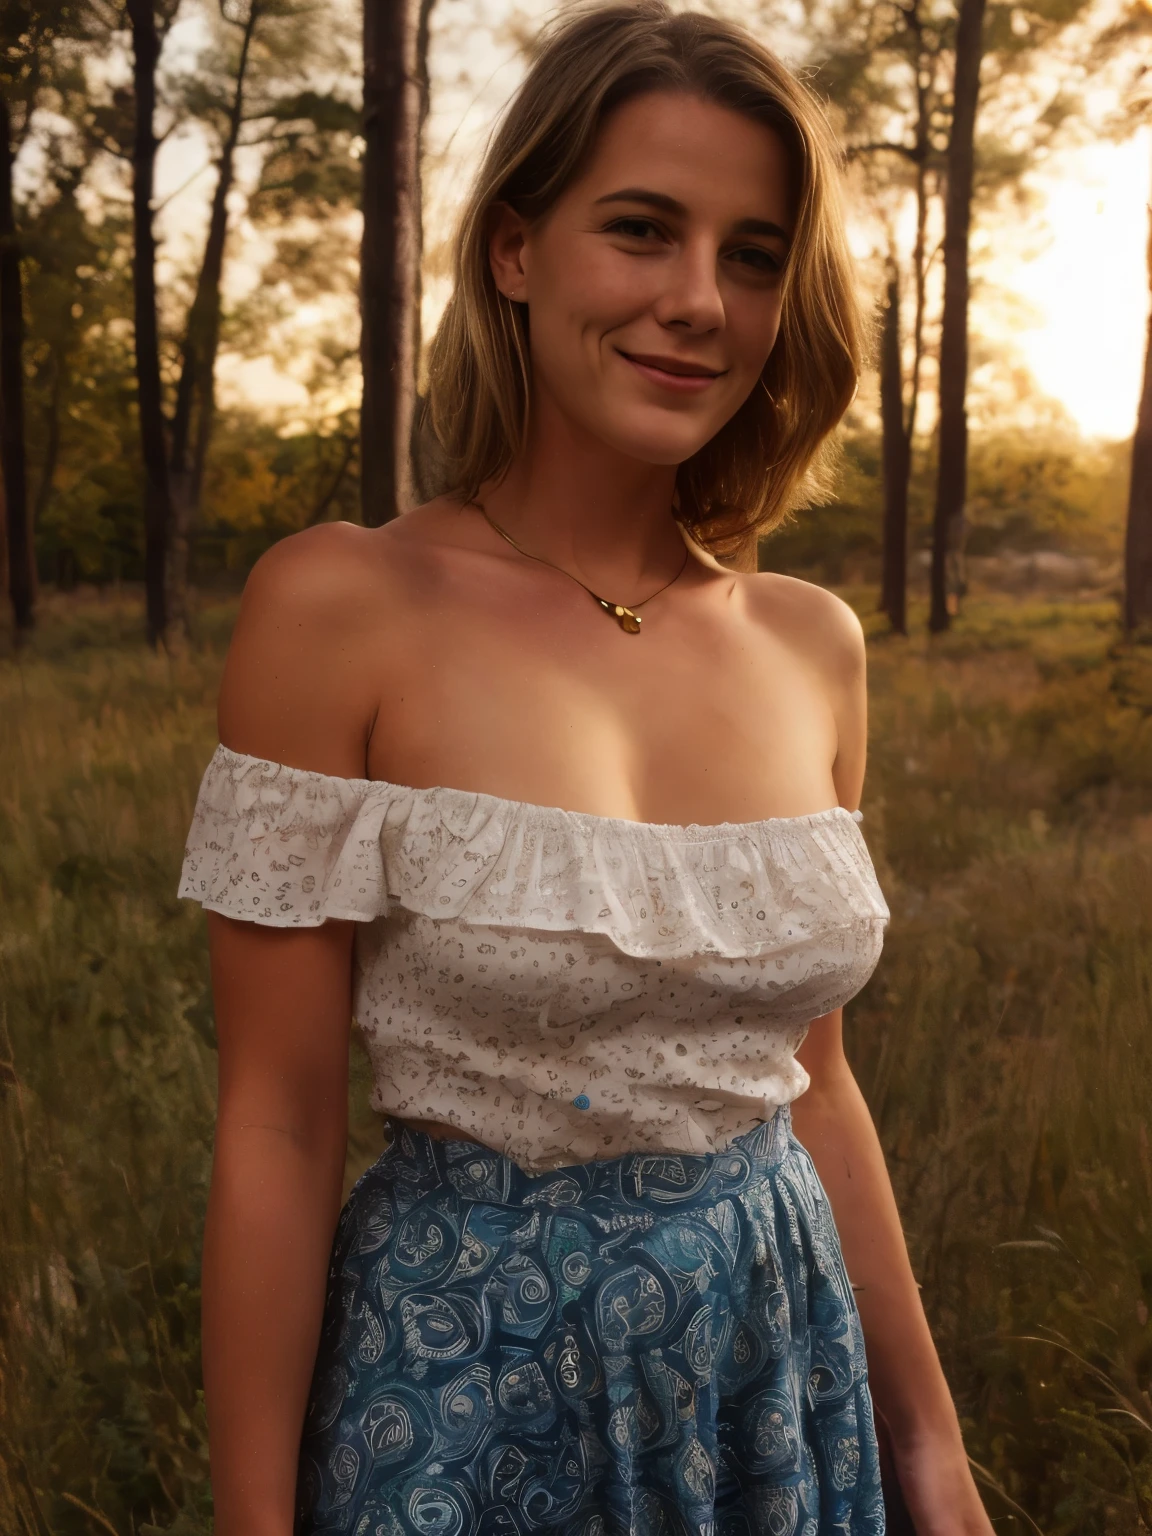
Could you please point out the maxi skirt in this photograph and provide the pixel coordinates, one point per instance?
(660, 1344)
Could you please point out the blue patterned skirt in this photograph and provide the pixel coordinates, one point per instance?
(660, 1344)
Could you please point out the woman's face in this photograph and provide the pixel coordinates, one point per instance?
(653, 284)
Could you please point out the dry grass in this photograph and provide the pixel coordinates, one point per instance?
(1005, 1044)
(1006, 1041)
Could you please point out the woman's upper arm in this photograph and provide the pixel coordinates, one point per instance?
(283, 1004)
(844, 665)
(293, 693)
(847, 677)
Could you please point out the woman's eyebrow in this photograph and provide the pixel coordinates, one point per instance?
(670, 205)
(763, 227)
(659, 200)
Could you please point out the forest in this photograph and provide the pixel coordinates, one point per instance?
(192, 368)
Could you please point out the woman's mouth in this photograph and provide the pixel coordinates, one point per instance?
(679, 374)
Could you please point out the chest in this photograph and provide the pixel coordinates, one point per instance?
(541, 928)
(701, 717)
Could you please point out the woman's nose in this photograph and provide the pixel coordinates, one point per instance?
(691, 298)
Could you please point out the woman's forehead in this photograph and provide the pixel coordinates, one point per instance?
(692, 154)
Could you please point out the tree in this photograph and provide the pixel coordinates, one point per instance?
(147, 26)
(896, 436)
(884, 68)
(191, 427)
(255, 96)
(1138, 534)
(32, 35)
(21, 574)
(66, 290)
(906, 80)
(395, 105)
(952, 462)
(881, 67)
(1129, 37)
(251, 91)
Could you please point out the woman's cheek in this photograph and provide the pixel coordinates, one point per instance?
(758, 327)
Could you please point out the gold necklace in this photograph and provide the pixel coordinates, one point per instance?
(627, 617)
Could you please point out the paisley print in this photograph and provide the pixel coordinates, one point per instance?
(659, 1345)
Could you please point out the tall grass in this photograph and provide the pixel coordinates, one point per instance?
(1005, 1044)
(106, 1028)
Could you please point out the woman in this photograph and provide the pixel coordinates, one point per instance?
(593, 1283)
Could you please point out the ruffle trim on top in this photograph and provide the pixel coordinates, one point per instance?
(290, 848)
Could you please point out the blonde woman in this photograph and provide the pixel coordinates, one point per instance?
(556, 795)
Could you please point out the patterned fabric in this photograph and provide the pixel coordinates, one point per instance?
(661, 1344)
(559, 985)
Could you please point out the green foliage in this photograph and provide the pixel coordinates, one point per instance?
(85, 479)
(263, 485)
(299, 177)
(1038, 490)
(1026, 491)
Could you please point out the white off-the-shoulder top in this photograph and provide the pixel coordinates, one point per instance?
(556, 985)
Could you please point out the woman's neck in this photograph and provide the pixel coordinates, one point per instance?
(574, 500)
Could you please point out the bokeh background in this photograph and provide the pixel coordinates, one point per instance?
(189, 190)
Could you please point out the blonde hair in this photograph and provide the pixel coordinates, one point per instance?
(742, 482)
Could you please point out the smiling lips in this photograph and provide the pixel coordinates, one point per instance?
(674, 373)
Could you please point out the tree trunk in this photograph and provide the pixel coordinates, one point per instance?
(13, 456)
(951, 484)
(195, 398)
(157, 494)
(1138, 537)
(192, 419)
(57, 364)
(897, 463)
(3, 537)
(925, 63)
(395, 105)
(897, 423)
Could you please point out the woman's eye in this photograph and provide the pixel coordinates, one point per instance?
(635, 229)
(757, 258)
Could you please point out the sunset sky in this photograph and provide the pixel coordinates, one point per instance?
(1089, 286)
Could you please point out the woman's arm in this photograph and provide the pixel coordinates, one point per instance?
(832, 1122)
(295, 691)
(283, 1008)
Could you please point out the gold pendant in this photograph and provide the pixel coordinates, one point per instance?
(627, 620)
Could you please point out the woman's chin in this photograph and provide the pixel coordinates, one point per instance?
(665, 446)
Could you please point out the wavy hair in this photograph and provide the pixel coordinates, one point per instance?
(774, 450)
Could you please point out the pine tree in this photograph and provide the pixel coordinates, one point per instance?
(148, 22)
(395, 105)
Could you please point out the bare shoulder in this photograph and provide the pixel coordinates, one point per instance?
(296, 686)
(315, 565)
(822, 626)
(826, 637)
(336, 562)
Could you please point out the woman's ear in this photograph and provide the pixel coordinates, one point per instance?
(506, 252)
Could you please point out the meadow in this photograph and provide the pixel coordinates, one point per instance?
(1005, 1046)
